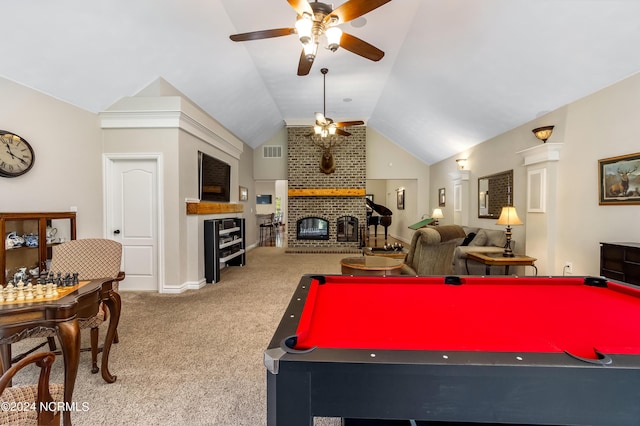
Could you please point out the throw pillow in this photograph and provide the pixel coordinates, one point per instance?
(496, 238)
(480, 239)
(469, 238)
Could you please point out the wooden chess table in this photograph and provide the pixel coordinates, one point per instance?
(22, 319)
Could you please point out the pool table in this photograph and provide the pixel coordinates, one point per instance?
(496, 349)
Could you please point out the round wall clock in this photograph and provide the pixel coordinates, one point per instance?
(16, 155)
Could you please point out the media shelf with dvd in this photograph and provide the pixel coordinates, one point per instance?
(223, 246)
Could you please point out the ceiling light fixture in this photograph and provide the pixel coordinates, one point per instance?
(462, 162)
(543, 133)
(325, 126)
(310, 30)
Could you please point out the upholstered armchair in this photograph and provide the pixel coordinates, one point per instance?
(91, 258)
(431, 250)
(41, 394)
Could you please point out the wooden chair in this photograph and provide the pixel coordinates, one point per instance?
(42, 394)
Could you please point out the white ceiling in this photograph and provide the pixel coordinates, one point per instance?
(455, 72)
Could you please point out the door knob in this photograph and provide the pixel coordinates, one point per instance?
(116, 232)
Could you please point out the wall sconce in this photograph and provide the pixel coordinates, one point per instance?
(508, 216)
(437, 214)
(543, 133)
(462, 163)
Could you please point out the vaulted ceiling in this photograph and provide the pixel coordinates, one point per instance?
(455, 72)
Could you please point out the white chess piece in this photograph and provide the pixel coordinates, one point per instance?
(28, 292)
(48, 292)
(39, 292)
(10, 293)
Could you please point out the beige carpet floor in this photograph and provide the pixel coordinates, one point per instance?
(194, 358)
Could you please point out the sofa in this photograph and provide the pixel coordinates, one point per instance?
(481, 240)
(432, 249)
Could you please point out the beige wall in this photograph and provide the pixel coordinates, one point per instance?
(68, 166)
(598, 126)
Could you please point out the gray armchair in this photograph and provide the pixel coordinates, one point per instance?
(431, 250)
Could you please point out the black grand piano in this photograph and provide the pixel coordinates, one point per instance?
(383, 219)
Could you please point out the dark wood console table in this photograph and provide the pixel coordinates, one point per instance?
(20, 320)
(620, 261)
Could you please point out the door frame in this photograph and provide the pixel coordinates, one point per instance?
(108, 162)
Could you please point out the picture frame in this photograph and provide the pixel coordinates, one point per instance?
(441, 197)
(619, 180)
(400, 196)
(244, 194)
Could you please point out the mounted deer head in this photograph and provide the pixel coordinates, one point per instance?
(327, 163)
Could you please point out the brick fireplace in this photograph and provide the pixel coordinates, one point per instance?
(349, 178)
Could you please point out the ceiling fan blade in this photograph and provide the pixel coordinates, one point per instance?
(304, 65)
(301, 6)
(258, 35)
(342, 132)
(354, 9)
(349, 123)
(360, 47)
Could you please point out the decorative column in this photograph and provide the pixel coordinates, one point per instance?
(541, 216)
(461, 204)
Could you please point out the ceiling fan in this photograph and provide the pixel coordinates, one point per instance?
(325, 126)
(317, 19)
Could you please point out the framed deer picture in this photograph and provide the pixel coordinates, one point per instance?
(619, 179)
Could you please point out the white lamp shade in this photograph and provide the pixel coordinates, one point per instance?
(334, 34)
(509, 216)
(303, 27)
(437, 214)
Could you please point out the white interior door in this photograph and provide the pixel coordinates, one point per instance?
(132, 219)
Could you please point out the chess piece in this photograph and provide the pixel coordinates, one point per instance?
(48, 292)
(28, 294)
(10, 297)
(20, 292)
(39, 292)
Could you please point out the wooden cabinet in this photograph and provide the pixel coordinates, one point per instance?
(224, 244)
(35, 249)
(620, 261)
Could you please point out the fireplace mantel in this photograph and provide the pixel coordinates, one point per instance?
(327, 192)
(213, 208)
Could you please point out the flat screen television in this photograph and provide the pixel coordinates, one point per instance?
(263, 199)
(214, 179)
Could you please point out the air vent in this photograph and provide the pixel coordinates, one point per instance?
(272, 151)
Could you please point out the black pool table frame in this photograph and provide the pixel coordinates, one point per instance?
(483, 387)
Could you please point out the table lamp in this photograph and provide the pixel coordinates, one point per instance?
(508, 216)
(437, 214)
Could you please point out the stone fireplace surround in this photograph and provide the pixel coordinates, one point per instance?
(348, 182)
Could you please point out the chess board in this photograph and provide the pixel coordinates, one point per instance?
(39, 293)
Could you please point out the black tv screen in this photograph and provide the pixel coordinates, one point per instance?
(263, 199)
(214, 178)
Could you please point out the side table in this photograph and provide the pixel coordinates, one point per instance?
(497, 259)
(371, 265)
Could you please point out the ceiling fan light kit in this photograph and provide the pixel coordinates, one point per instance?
(319, 19)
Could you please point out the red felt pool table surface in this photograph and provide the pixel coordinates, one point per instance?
(489, 314)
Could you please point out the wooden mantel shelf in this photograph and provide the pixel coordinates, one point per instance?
(327, 192)
(213, 208)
